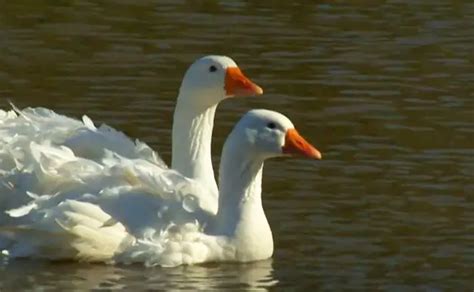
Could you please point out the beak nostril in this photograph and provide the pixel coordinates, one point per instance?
(236, 84)
(295, 144)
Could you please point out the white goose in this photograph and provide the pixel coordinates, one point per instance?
(208, 81)
(109, 227)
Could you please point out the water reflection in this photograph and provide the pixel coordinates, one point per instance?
(253, 277)
(244, 277)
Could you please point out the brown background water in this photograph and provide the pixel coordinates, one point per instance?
(384, 88)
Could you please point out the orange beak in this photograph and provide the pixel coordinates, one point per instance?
(236, 84)
(295, 144)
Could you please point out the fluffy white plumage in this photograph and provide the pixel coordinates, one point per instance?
(37, 155)
(59, 205)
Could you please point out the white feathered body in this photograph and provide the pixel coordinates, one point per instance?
(69, 190)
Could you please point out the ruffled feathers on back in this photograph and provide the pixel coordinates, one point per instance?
(70, 190)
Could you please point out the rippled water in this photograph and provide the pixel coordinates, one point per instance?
(385, 89)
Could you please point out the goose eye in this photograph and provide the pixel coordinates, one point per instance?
(271, 125)
(212, 68)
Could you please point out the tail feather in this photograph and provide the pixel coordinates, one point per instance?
(73, 230)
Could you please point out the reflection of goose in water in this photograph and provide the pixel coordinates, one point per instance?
(129, 223)
(255, 276)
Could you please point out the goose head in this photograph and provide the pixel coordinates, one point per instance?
(211, 79)
(259, 135)
(266, 134)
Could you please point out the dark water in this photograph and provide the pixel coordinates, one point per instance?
(385, 89)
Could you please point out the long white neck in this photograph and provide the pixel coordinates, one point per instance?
(191, 142)
(241, 216)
